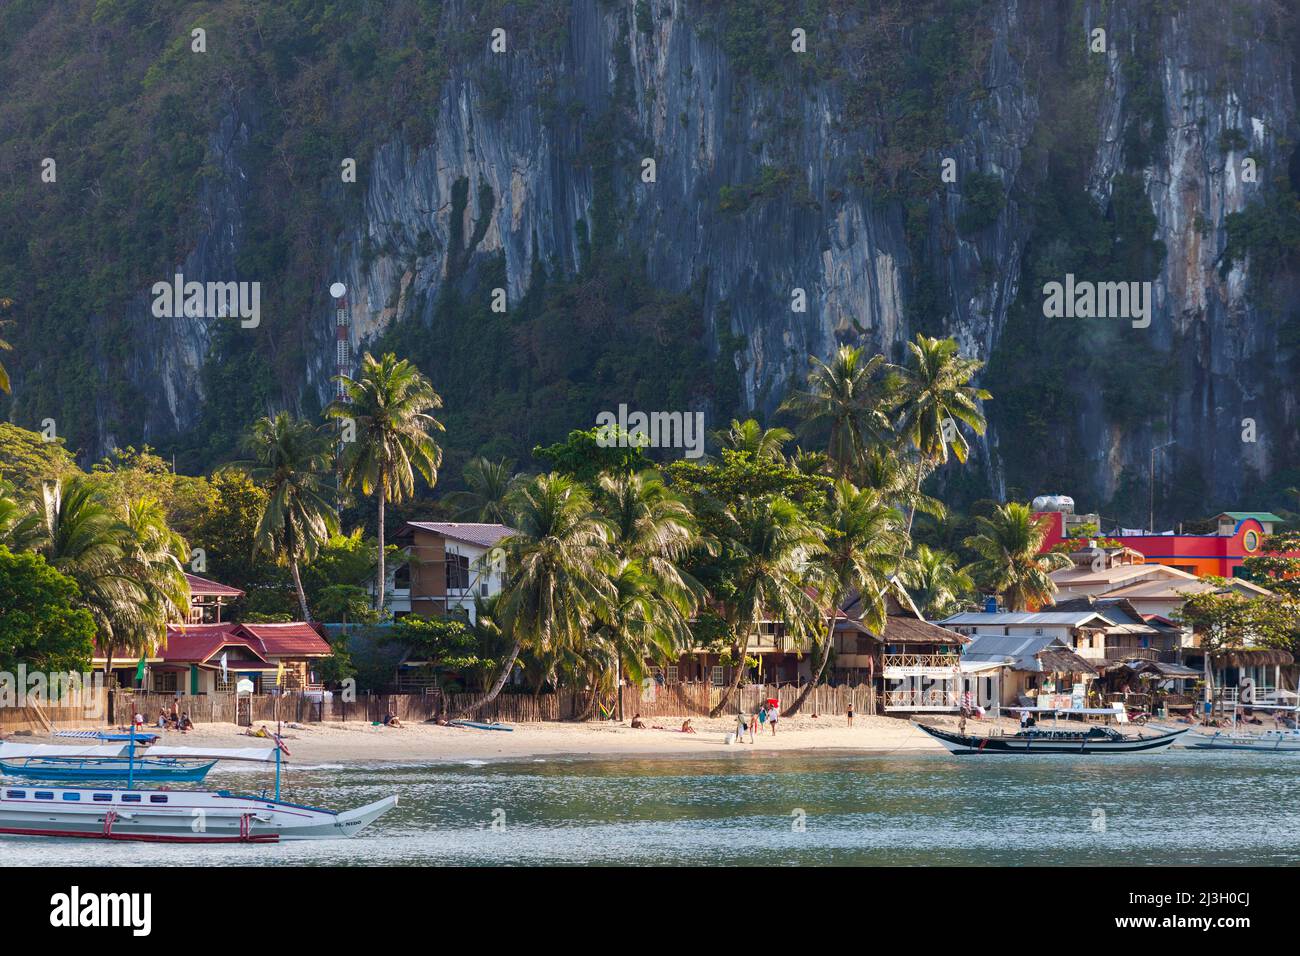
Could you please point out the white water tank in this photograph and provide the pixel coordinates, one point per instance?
(1053, 503)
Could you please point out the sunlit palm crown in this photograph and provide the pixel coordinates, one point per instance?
(1010, 565)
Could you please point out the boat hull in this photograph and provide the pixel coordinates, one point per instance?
(145, 769)
(962, 744)
(173, 816)
(1260, 743)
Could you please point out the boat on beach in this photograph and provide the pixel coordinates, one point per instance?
(175, 816)
(1270, 740)
(1090, 740)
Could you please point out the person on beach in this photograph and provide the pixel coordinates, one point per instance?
(637, 722)
(849, 714)
(753, 726)
(185, 725)
(741, 724)
(772, 716)
(762, 715)
(162, 720)
(686, 726)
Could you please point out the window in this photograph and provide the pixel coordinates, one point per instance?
(157, 798)
(103, 797)
(457, 572)
(130, 798)
(715, 675)
(16, 794)
(402, 578)
(72, 796)
(671, 673)
(43, 795)
(164, 682)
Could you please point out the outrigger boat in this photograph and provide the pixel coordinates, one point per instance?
(165, 769)
(1234, 739)
(177, 816)
(1055, 740)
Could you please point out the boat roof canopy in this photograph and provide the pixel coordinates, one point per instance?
(8, 750)
(263, 754)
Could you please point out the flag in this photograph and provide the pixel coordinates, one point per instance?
(279, 673)
(223, 667)
(139, 669)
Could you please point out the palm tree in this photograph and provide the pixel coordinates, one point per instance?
(651, 533)
(937, 585)
(1010, 563)
(898, 480)
(765, 444)
(769, 540)
(5, 303)
(19, 525)
(936, 397)
(126, 570)
(490, 484)
(389, 405)
(851, 395)
(290, 460)
(862, 538)
(558, 563)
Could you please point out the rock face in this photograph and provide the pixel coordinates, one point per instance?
(520, 181)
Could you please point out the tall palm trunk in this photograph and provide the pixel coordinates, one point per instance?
(739, 651)
(302, 595)
(506, 667)
(821, 669)
(381, 579)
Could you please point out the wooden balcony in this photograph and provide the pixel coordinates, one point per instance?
(932, 699)
(915, 665)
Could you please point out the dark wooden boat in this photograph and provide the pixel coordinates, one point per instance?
(1093, 740)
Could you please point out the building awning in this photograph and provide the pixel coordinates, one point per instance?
(1162, 668)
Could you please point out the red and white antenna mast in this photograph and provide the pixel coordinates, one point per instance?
(342, 367)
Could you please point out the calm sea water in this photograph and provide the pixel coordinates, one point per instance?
(1172, 808)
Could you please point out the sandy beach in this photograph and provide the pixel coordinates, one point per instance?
(362, 742)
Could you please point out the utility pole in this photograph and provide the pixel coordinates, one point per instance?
(342, 367)
(1151, 514)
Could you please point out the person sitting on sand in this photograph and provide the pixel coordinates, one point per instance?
(162, 720)
(186, 725)
(637, 722)
(259, 732)
(686, 726)
(390, 720)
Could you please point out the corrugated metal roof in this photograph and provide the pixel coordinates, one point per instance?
(1068, 618)
(484, 535)
(1017, 649)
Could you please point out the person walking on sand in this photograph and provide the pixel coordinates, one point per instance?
(753, 726)
(850, 713)
(740, 726)
(772, 716)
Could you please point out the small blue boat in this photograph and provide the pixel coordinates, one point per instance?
(163, 769)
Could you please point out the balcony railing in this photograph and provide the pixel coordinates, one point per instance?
(927, 661)
(934, 698)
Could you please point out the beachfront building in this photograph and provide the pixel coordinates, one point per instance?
(1009, 670)
(1238, 535)
(449, 564)
(208, 600)
(917, 662)
(211, 658)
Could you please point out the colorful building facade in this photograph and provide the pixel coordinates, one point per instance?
(1240, 535)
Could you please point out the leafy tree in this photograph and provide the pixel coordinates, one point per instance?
(290, 459)
(1274, 568)
(40, 626)
(447, 644)
(1010, 564)
(27, 459)
(129, 474)
(389, 405)
(583, 457)
(226, 530)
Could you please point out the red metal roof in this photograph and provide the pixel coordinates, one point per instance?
(202, 587)
(197, 643)
(288, 640)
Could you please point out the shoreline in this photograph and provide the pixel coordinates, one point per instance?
(357, 742)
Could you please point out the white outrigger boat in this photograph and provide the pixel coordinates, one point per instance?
(1233, 739)
(177, 816)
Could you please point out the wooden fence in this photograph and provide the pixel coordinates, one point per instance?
(652, 700)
